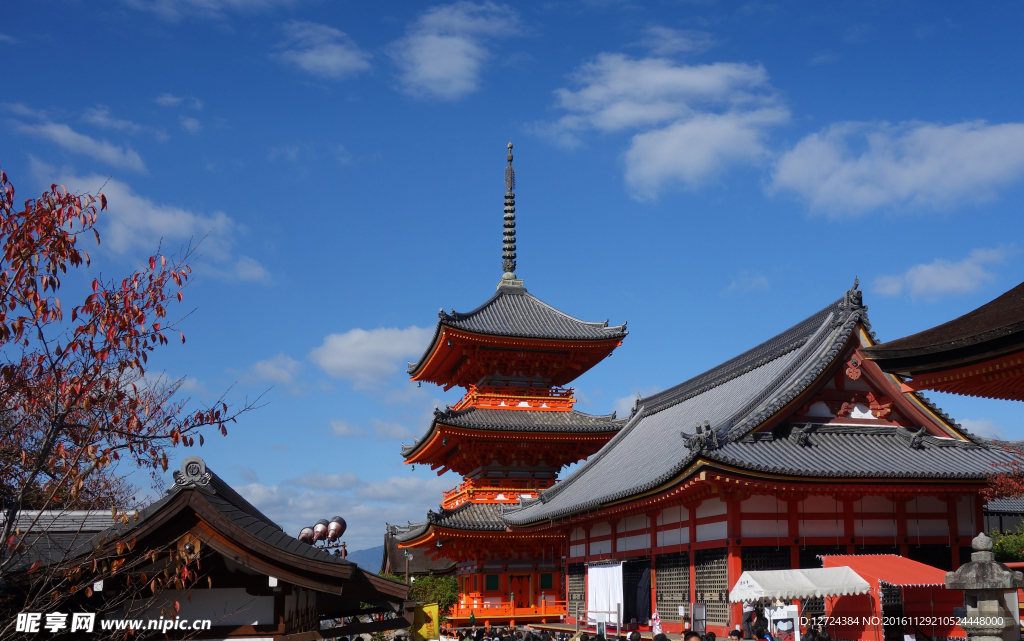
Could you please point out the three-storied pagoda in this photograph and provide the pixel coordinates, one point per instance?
(508, 437)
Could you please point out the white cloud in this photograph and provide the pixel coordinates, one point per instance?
(984, 427)
(366, 506)
(854, 167)
(66, 137)
(189, 124)
(663, 41)
(445, 49)
(321, 50)
(133, 222)
(6, 38)
(247, 474)
(749, 281)
(345, 429)
(331, 482)
(623, 405)
(100, 116)
(693, 121)
(21, 109)
(823, 58)
(177, 9)
(278, 369)
(389, 430)
(401, 489)
(170, 100)
(942, 277)
(368, 358)
(692, 151)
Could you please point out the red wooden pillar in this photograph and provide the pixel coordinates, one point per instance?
(901, 524)
(979, 515)
(693, 558)
(848, 526)
(954, 529)
(793, 510)
(735, 562)
(586, 575)
(652, 532)
(615, 535)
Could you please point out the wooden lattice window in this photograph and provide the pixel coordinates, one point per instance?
(545, 581)
(769, 557)
(672, 579)
(577, 588)
(492, 583)
(712, 574)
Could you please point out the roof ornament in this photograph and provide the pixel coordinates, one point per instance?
(917, 440)
(803, 434)
(508, 279)
(854, 296)
(703, 440)
(193, 473)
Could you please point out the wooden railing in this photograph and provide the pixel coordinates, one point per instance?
(508, 610)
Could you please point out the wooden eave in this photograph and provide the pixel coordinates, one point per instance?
(999, 377)
(230, 540)
(433, 451)
(442, 363)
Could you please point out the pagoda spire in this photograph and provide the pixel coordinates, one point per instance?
(509, 250)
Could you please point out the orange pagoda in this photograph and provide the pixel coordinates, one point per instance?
(508, 437)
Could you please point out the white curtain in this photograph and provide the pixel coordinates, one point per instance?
(604, 590)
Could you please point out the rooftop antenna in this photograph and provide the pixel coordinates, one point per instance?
(508, 279)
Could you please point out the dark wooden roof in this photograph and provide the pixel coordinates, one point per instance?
(994, 328)
(514, 312)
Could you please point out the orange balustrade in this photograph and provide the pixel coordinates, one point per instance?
(544, 399)
(493, 491)
(544, 610)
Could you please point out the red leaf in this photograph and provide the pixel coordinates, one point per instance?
(35, 566)
(177, 606)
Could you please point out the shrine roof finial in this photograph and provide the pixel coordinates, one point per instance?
(508, 256)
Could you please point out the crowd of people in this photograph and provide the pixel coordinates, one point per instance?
(758, 631)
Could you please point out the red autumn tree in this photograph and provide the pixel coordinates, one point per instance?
(74, 399)
(1009, 482)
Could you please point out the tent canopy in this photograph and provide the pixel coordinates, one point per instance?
(889, 568)
(798, 584)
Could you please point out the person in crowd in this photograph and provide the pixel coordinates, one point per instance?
(661, 637)
(710, 636)
(735, 635)
(749, 616)
(634, 636)
(599, 637)
(690, 635)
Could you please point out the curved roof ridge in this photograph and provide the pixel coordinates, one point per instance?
(767, 351)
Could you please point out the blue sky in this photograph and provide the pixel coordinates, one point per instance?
(710, 172)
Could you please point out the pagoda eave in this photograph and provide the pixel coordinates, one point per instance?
(464, 545)
(461, 358)
(438, 448)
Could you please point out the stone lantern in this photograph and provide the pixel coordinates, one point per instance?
(986, 585)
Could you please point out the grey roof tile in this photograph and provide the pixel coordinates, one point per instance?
(468, 516)
(1008, 505)
(736, 397)
(513, 311)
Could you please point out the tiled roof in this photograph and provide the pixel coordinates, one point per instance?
(1011, 505)
(53, 535)
(519, 421)
(246, 516)
(419, 563)
(468, 516)
(514, 312)
(738, 396)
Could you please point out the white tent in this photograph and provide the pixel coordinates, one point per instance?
(798, 584)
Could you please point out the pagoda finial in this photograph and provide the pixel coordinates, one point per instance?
(509, 249)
